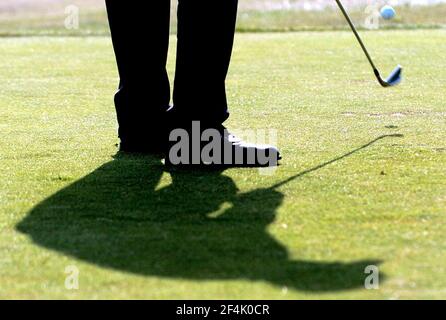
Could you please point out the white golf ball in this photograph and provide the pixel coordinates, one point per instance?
(387, 12)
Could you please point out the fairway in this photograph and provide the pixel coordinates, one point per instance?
(370, 190)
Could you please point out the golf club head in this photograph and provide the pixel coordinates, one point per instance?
(394, 78)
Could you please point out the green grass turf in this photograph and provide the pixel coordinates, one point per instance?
(93, 21)
(136, 231)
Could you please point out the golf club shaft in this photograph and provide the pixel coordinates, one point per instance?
(344, 12)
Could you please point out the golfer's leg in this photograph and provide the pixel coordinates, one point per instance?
(205, 39)
(140, 34)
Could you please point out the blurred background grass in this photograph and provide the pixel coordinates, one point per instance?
(46, 17)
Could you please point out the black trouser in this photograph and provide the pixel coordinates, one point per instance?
(140, 34)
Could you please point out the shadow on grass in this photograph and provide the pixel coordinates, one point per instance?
(199, 227)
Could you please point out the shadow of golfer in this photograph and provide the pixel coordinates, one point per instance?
(198, 227)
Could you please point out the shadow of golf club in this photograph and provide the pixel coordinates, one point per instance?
(199, 227)
(397, 135)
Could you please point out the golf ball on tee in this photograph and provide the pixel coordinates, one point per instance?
(387, 12)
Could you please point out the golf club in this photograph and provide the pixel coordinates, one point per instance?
(396, 75)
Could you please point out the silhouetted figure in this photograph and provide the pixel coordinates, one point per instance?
(140, 34)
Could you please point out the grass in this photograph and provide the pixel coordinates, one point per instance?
(135, 230)
(93, 20)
